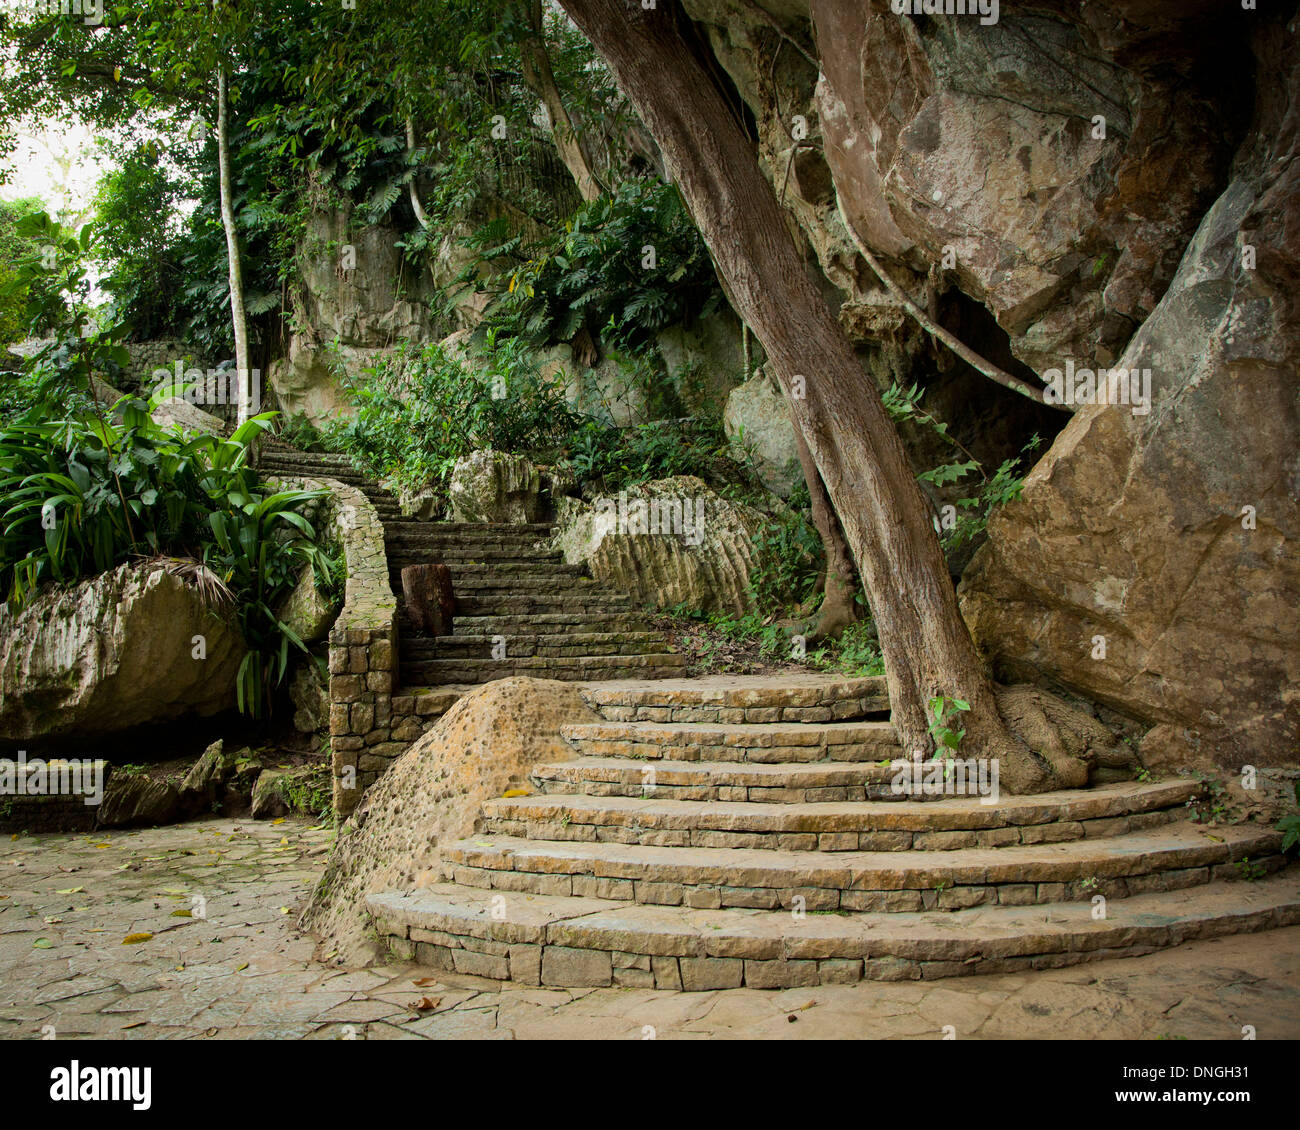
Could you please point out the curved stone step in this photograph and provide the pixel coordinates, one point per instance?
(1172, 857)
(590, 943)
(788, 697)
(779, 783)
(516, 623)
(436, 672)
(746, 741)
(569, 643)
(943, 825)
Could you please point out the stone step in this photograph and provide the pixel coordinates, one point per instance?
(590, 943)
(438, 672)
(576, 643)
(468, 555)
(1168, 858)
(727, 699)
(506, 604)
(756, 739)
(943, 825)
(537, 568)
(718, 780)
(487, 580)
(453, 530)
(550, 621)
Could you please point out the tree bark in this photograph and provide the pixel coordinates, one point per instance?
(839, 605)
(540, 79)
(429, 601)
(239, 319)
(656, 57)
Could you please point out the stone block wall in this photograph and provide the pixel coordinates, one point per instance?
(362, 650)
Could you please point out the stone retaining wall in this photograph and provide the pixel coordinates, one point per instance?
(365, 736)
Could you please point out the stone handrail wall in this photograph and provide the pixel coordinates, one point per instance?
(362, 646)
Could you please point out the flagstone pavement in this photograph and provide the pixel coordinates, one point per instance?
(188, 932)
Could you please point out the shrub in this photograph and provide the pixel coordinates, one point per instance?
(83, 494)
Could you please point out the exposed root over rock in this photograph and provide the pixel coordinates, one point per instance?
(1068, 748)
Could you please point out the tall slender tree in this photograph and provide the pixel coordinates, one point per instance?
(660, 63)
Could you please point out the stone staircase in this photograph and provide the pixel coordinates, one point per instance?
(717, 833)
(520, 610)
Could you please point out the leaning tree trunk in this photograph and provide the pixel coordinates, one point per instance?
(656, 58)
(839, 599)
(540, 79)
(237, 315)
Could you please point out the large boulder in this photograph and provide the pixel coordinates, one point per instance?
(669, 542)
(136, 645)
(757, 421)
(307, 611)
(136, 800)
(1153, 560)
(490, 486)
(483, 746)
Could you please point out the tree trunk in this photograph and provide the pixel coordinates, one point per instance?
(656, 57)
(243, 372)
(429, 601)
(540, 79)
(839, 605)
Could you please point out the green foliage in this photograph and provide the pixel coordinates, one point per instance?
(615, 458)
(14, 247)
(52, 278)
(791, 557)
(973, 511)
(1289, 825)
(419, 410)
(944, 712)
(855, 653)
(598, 274)
(134, 205)
(87, 492)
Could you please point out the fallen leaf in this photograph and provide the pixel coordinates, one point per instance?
(43, 944)
(424, 1004)
(284, 910)
(70, 891)
(136, 939)
(134, 1024)
(239, 968)
(278, 820)
(424, 982)
(51, 919)
(182, 913)
(515, 792)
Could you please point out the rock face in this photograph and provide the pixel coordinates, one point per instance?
(114, 652)
(307, 611)
(1153, 561)
(310, 695)
(358, 296)
(757, 421)
(482, 747)
(489, 486)
(706, 361)
(669, 542)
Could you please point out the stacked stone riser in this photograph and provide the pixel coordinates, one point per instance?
(570, 943)
(877, 881)
(717, 836)
(829, 828)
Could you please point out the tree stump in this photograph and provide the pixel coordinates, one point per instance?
(429, 601)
